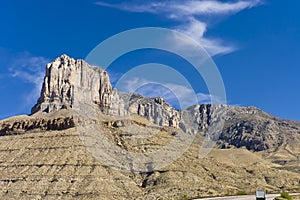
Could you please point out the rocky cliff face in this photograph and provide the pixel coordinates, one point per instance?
(155, 110)
(68, 80)
(15, 127)
(257, 130)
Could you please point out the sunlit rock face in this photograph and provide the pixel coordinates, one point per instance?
(68, 80)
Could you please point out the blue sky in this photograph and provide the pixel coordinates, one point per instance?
(255, 44)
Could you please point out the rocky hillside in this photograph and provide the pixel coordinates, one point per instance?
(45, 155)
(54, 163)
(69, 83)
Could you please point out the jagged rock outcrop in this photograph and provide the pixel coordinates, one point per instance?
(11, 127)
(156, 110)
(205, 115)
(68, 80)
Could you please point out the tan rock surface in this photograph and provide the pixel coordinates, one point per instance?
(56, 165)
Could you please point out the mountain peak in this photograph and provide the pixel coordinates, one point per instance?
(69, 82)
(64, 82)
(63, 57)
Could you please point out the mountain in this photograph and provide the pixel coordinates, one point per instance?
(73, 144)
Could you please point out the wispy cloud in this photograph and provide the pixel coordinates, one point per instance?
(191, 16)
(183, 8)
(194, 7)
(30, 69)
(196, 30)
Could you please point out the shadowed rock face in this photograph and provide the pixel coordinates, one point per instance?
(257, 130)
(36, 124)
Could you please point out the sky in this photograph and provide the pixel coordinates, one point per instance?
(254, 44)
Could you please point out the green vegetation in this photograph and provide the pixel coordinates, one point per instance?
(241, 193)
(183, 197)
(286, 195)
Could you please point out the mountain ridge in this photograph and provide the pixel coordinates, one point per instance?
(49, 159)
(66, 77)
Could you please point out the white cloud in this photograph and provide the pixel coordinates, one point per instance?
(184, 8)
(29, 68)
(189, 14)
(153, 7)
(212, 7)
(196, 30)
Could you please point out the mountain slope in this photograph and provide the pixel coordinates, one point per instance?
(57, 152)
(55, 164)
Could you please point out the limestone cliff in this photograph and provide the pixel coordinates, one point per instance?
(67, 79)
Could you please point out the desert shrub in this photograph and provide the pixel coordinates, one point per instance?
(286, 195)
(241, 193)
(184, 197)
